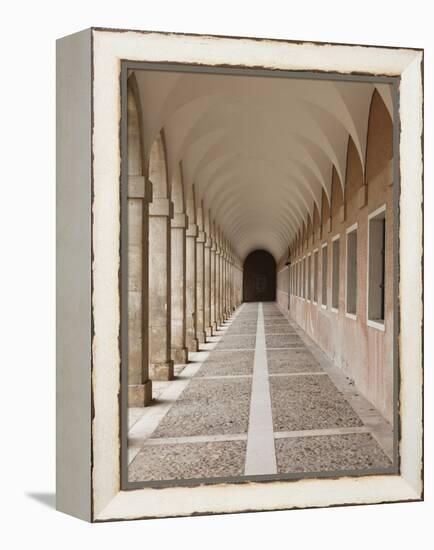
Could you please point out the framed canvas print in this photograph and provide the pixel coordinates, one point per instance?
(239, 305)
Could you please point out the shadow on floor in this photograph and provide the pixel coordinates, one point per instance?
(47, 499)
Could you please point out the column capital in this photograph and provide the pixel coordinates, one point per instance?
(192, 230)
(179, 221)
(208, 242)
(201, 237)
(213, 246)
(161, 207)
(139, 188)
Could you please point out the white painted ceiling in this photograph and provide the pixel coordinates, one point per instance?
(258, 150)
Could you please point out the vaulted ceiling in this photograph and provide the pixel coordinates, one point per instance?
(258, 150)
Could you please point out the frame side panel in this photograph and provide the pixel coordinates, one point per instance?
(73, 274)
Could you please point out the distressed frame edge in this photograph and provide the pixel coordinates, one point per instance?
(73, 256)
(409, 491)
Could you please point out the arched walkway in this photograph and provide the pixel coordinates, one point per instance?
(260, 276)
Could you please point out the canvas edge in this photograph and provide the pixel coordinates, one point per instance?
(73, 274)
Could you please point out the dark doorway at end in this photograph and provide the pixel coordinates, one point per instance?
(259, 277)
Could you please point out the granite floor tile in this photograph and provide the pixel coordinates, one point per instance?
(189, 461)
(225, 363)
(283, 340)
(237, 341)
(241, 329)
(273, 316)
(230, 356)
(329, 453)
(291, 360)
(208, 407)
(309, 402)
(250, 324)
(280, 329)
(273, 322)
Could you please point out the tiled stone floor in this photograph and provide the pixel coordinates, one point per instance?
(256, 399)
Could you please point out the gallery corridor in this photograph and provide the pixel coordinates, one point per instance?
(258, 400)
(259, 276)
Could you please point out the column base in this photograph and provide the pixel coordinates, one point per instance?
(193, 344)
(140, 395)
(209, 332)
(214, 327)
(180, 355)
(161, 371)
(201, 336)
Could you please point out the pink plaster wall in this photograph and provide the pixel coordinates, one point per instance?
(364, 353)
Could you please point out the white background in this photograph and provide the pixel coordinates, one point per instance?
(27, 179)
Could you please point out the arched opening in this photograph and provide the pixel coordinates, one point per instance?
(259, 277)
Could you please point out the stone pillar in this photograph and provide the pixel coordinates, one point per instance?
(226, 284)
(239, 286)
(191, 285)
(178, 289)
(223, 286)
(231, 286)
(207, 284)
(160, 361)
(235, 285)
(139, 385)
(213, 320)
(218, 295)
(200, 287)
(230, 304)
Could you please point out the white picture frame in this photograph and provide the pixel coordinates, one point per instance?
(88, 316)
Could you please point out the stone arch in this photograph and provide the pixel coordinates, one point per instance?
(354, 180)
(178, 268)
(190, 205)
(139, 385)
(157, 168)
(159, 261)
(177, 191)
(134, 129)
(379, 145)
(337, 199)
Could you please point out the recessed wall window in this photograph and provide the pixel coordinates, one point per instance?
(376, 266)
(324, 276)
(309, 277)
(315, 276)
(351, 297)
(335, 273)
